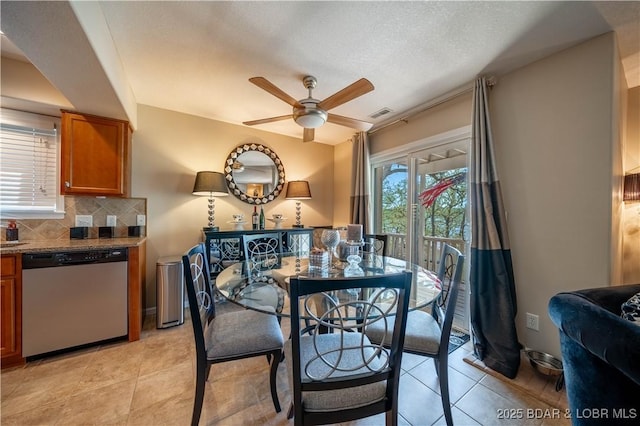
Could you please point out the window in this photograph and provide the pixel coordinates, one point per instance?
(390, 192)
(29, 159)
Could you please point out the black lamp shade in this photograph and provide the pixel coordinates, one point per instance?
(631, 187)
(210, 184)
(298, 190)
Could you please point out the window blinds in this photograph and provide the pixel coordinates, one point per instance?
(28, 167)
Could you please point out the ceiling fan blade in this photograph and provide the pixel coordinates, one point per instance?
(265, 84)
(267, 120)
(349, 122)
(350, 92)
(308, 135)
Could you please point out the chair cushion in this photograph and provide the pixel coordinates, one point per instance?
(338, 399)
(242, 333)
(264, 290)
(631, 309)
(422, 333)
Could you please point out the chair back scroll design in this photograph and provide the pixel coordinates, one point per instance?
(376, 244)
(262, 252)
(357, 377)
(450, 276)
(216, 337)
(200, 294)
(333, 318)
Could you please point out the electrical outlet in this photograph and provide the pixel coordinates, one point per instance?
(84, 220)
(141, 220)
(533, 322)
(111, 220)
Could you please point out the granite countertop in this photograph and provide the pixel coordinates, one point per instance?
(42, 246)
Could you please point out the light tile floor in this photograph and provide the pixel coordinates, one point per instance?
(151, 382)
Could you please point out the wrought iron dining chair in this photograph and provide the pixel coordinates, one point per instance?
(335, 373)
(262, 252)
(428, 334)
(231, 336)
(376, 244)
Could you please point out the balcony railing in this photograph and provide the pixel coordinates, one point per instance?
(430, 258)
(431, 248)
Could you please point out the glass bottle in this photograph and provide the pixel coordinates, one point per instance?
(261, 218)
(254, 218)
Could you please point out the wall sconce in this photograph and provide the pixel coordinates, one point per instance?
(211, 184)
(298, 190)
(631, 190)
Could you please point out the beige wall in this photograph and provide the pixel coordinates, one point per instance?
(632, 147)
(631, 211)
(447, 116)
(554, 133)
(22, 81)
(170, 147)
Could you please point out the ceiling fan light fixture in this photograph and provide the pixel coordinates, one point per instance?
(309, 118)
(311, 113)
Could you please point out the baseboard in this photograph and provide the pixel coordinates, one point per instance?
(527, 381)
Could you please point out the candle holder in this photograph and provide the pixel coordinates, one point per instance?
(354, 233)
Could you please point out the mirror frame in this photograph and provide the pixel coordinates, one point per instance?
(234, 188)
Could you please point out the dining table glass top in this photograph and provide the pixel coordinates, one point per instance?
(266, 290)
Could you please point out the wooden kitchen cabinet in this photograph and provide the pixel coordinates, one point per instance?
(96, 155)
(137, 282)
(11, 306)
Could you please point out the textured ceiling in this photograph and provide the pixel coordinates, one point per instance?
(197, 57)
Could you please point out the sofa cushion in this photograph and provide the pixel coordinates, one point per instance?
(631, 309)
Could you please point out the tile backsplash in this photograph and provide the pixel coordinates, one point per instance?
(126, 211)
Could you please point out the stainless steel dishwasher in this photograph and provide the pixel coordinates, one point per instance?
(73, 298)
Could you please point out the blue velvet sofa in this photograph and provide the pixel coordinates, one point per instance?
(600, 355)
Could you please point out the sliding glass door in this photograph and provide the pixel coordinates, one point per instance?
(420, 202)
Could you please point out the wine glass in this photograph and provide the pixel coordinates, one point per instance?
(330, 238)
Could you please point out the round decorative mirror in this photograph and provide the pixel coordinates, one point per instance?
(254, 173)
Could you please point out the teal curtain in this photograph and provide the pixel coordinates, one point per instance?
(493, 293)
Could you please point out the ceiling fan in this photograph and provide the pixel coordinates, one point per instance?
(311, 113)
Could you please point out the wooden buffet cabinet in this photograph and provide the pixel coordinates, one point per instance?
(96, 156)
(225, 247)
(11, 305)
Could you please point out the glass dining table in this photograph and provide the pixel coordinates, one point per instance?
(267, 290)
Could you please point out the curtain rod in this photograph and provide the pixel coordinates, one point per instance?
(491, 81)
(427, 107)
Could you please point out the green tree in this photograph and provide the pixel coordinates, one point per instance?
(446, 217)
(394, 206)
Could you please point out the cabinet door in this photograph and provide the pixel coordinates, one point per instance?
(299, 242)
(95, 156)
(11, 315)
(7, 300)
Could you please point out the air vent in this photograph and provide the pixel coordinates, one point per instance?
(381, 112)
